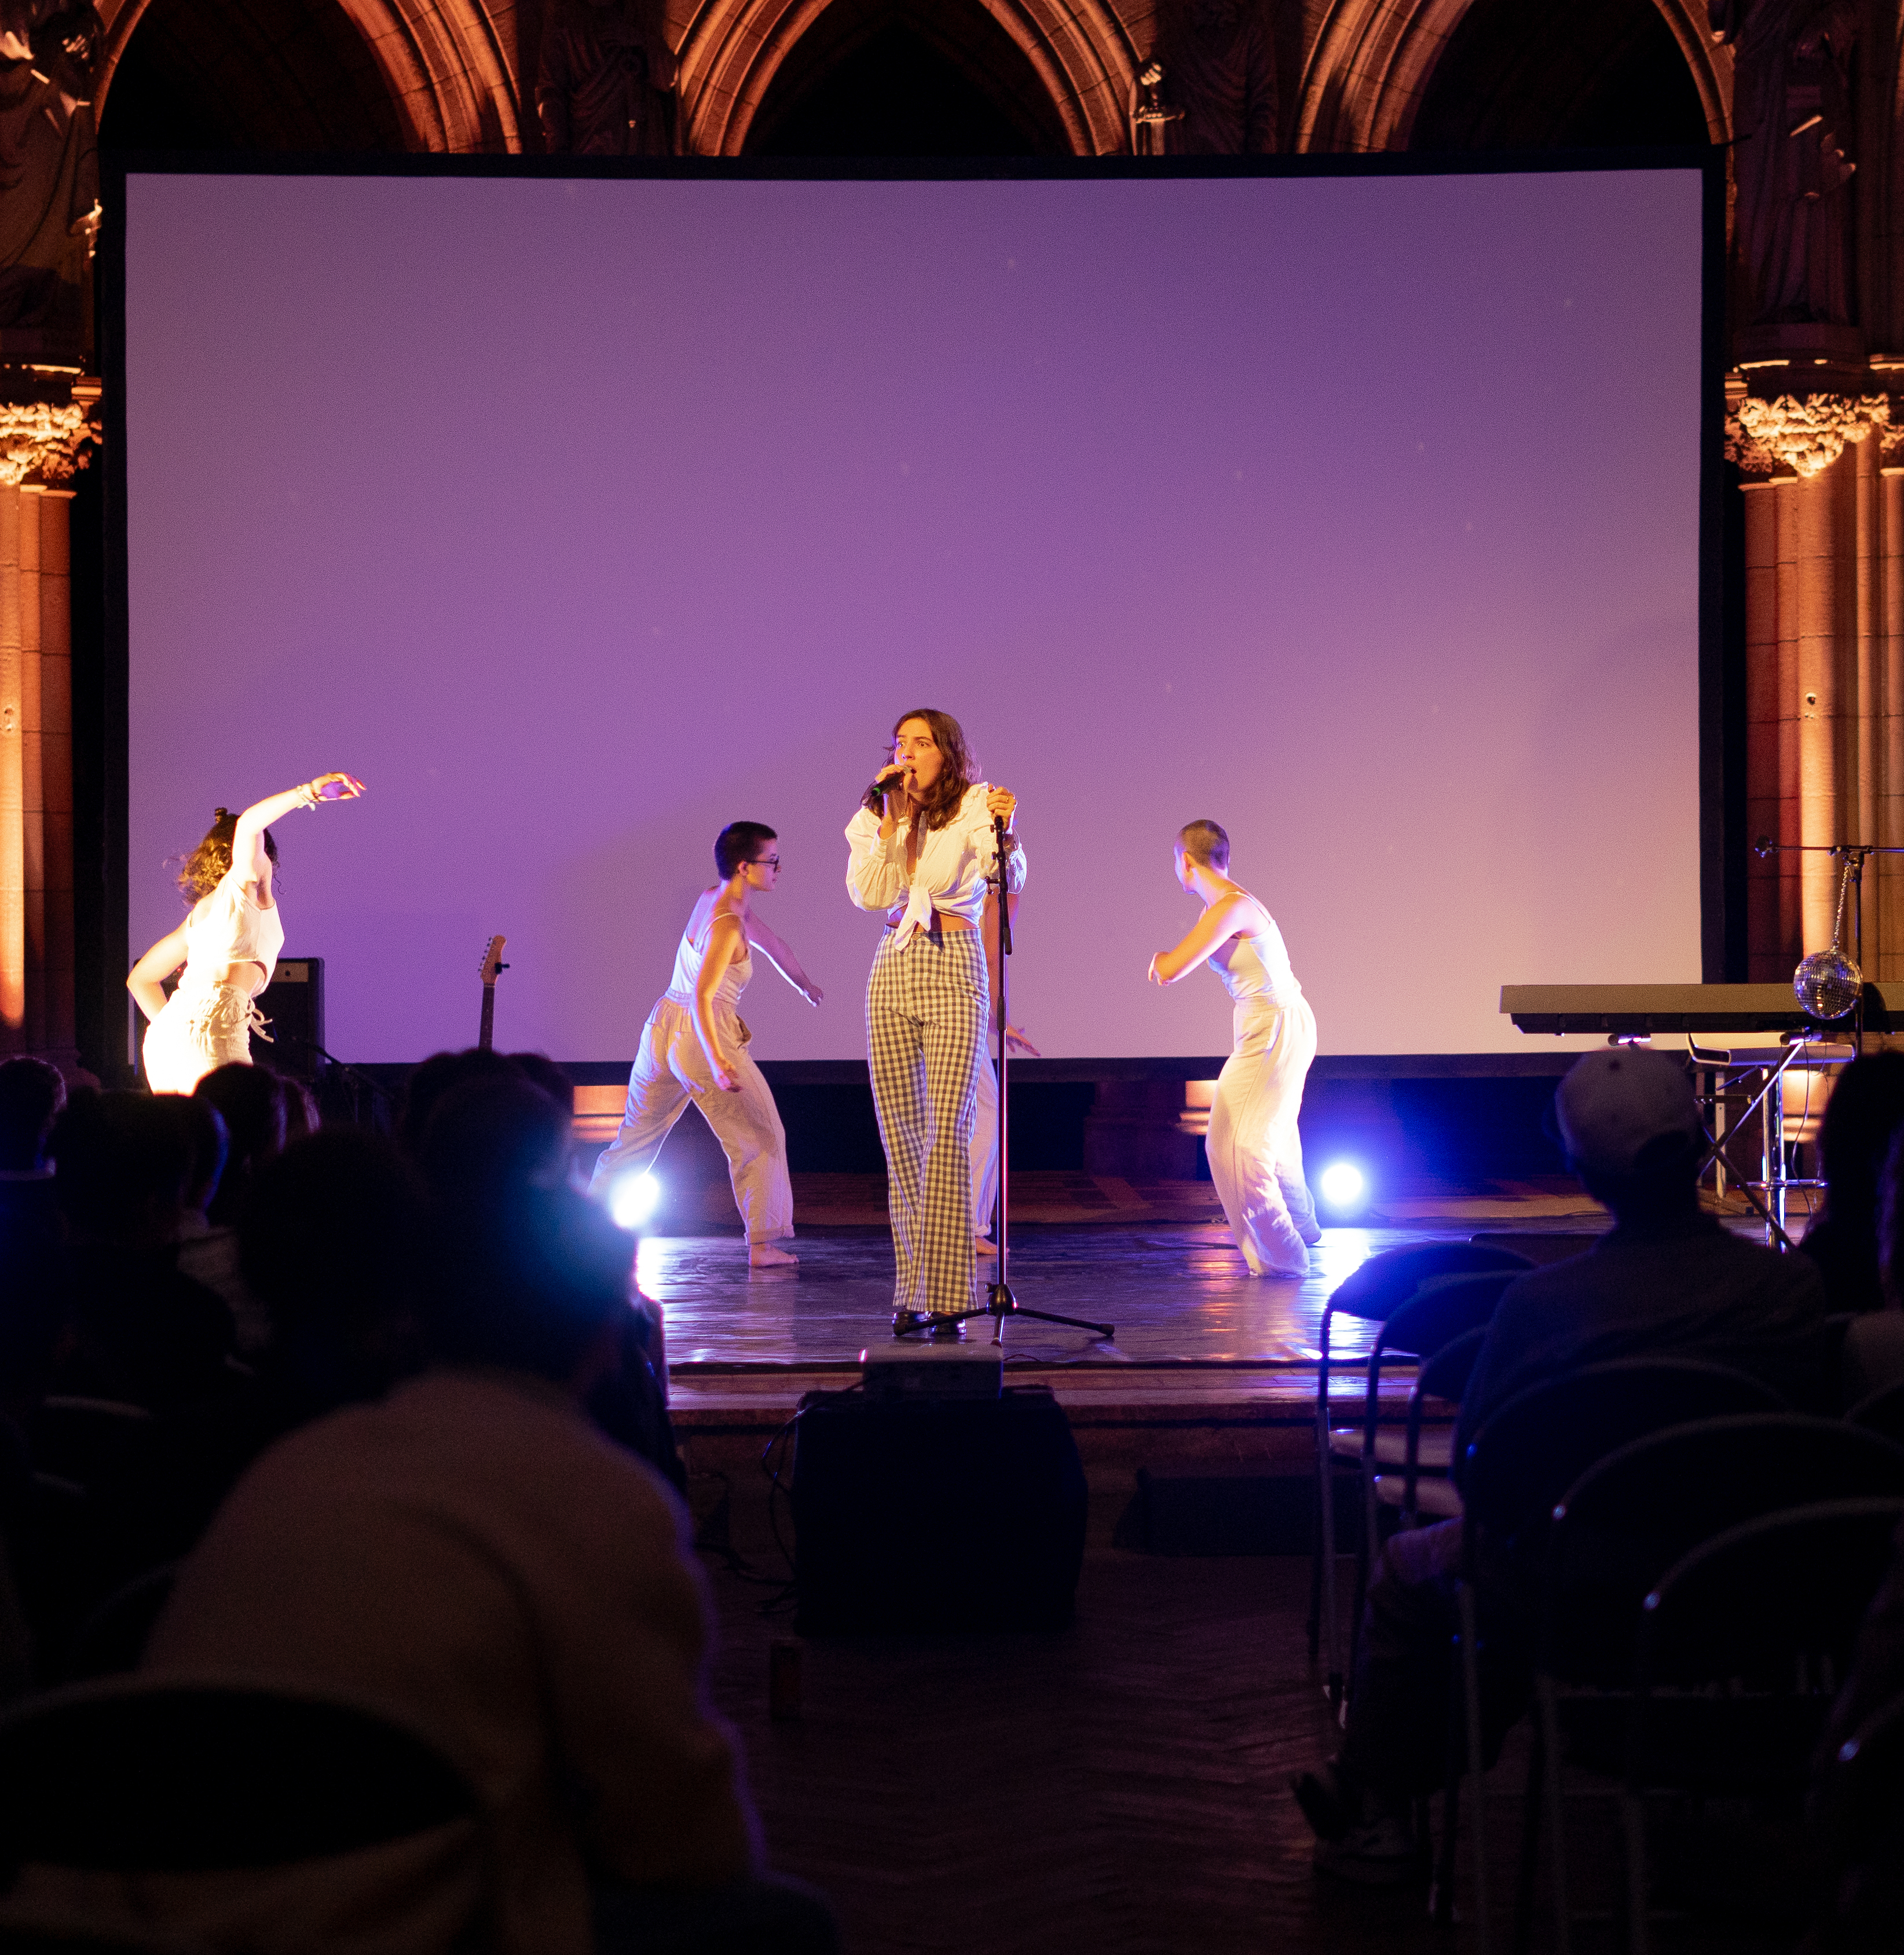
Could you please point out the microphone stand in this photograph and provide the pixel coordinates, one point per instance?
(1000, 1302)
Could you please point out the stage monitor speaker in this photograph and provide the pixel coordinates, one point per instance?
(938, 1514)
(293, 1001)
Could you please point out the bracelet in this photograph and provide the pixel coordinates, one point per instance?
(308, 795)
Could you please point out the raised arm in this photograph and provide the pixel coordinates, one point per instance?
(248, 856)
(1217, 923)
(147, 979)
(725, 940)
(782, 959)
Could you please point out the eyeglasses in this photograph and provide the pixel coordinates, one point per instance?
(765, 862)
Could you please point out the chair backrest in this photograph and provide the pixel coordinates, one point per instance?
(110, 1641)
(1445, 1375)
(1631, 1515)
(86, 1440)
(1882, 1412)
(1539, 1246)
(1861, 1794)
(145, 1774)
(1535, 1446)
(1443, 1309)
(1390, 1277)
(1796, 1583)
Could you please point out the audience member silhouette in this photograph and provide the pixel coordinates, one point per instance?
(32, 1093)
(250, 1100)
(1862, 1119)
(1667, 1280)
(133, 1328)
(472, 1554)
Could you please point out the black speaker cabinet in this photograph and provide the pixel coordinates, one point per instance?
(937, 1515)
(293, 1001)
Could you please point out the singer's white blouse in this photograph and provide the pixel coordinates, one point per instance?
(953, 863)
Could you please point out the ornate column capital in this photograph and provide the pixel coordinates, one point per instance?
(48, 421)
(1797, 434)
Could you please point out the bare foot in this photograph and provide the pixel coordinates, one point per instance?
(765, 1256)
(983, 1245)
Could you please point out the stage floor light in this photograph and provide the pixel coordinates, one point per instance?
(633, 1199)
(1342, 1185)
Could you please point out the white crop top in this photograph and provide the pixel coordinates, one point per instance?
(1259, 968)
(227, 927)
(687, 962)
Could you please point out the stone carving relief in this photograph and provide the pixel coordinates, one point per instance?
(607, 84)
(1800, 435)
(46, 441)
(1209, 88)
(49, 204)
(1793, 154)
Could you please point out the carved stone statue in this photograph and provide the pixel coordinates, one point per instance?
(607, 82)
(1792, 117)
(1214, 90)
(49, 203)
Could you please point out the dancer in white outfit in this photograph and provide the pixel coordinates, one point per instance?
(1255, 1151)
(228, 945)
(694, 1046)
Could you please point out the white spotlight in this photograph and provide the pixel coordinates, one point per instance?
(634, 1199)
(1341, 1185)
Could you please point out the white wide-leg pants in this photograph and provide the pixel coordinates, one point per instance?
(201, 1027)
(1255, 1151)
(984, 1144)
(670, 1071)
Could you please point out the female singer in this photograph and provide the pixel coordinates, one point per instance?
(1255, 1151)
(922, 846)
(694, 1044)
(228, 944)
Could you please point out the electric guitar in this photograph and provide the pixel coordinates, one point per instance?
(491, 963)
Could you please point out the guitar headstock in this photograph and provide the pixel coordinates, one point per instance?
(492, 960)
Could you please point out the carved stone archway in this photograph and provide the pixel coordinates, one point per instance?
(1368, 66)
(1081, 52)
(448, 65)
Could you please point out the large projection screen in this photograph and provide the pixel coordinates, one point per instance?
(1357, 512)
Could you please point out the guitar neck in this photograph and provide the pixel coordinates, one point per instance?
(486, 1038)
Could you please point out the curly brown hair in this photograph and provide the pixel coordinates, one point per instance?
(206, 866)
(960, 771)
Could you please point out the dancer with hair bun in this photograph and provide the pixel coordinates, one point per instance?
(922, 846)
(1255, 1150)
(228, 945)
(694, 1046)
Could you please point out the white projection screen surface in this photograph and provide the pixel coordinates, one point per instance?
(1357, 513)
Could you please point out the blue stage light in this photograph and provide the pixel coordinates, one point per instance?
(1342, 1186)
(634, 1199)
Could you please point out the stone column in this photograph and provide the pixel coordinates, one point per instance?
(13, 868)
(46, 424)
(49, 821)
(1821, 684)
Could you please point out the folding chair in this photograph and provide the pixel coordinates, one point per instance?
(1370, 1294)
(1740, 1639)
(1441, 1381)
(1883, 1411)
(1858, 1825)
(1628, 1518)
(1521, 1463)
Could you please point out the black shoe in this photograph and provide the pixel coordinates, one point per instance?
(1328, 1805)
(904, 1320)
(945, 1328)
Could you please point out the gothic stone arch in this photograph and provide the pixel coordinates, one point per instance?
(733, 48)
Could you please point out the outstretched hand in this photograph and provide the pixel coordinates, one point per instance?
(809, 991)
(1015, 1041)
(336, 787)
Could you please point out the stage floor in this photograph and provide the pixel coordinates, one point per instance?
(1176, 1292)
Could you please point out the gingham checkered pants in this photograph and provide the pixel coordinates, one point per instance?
(926, 1010)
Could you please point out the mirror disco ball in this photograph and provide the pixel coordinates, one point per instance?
(1828, 984)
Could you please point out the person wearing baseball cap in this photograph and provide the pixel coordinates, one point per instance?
(1666, 1280)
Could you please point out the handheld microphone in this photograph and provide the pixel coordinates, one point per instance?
(887, 780)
